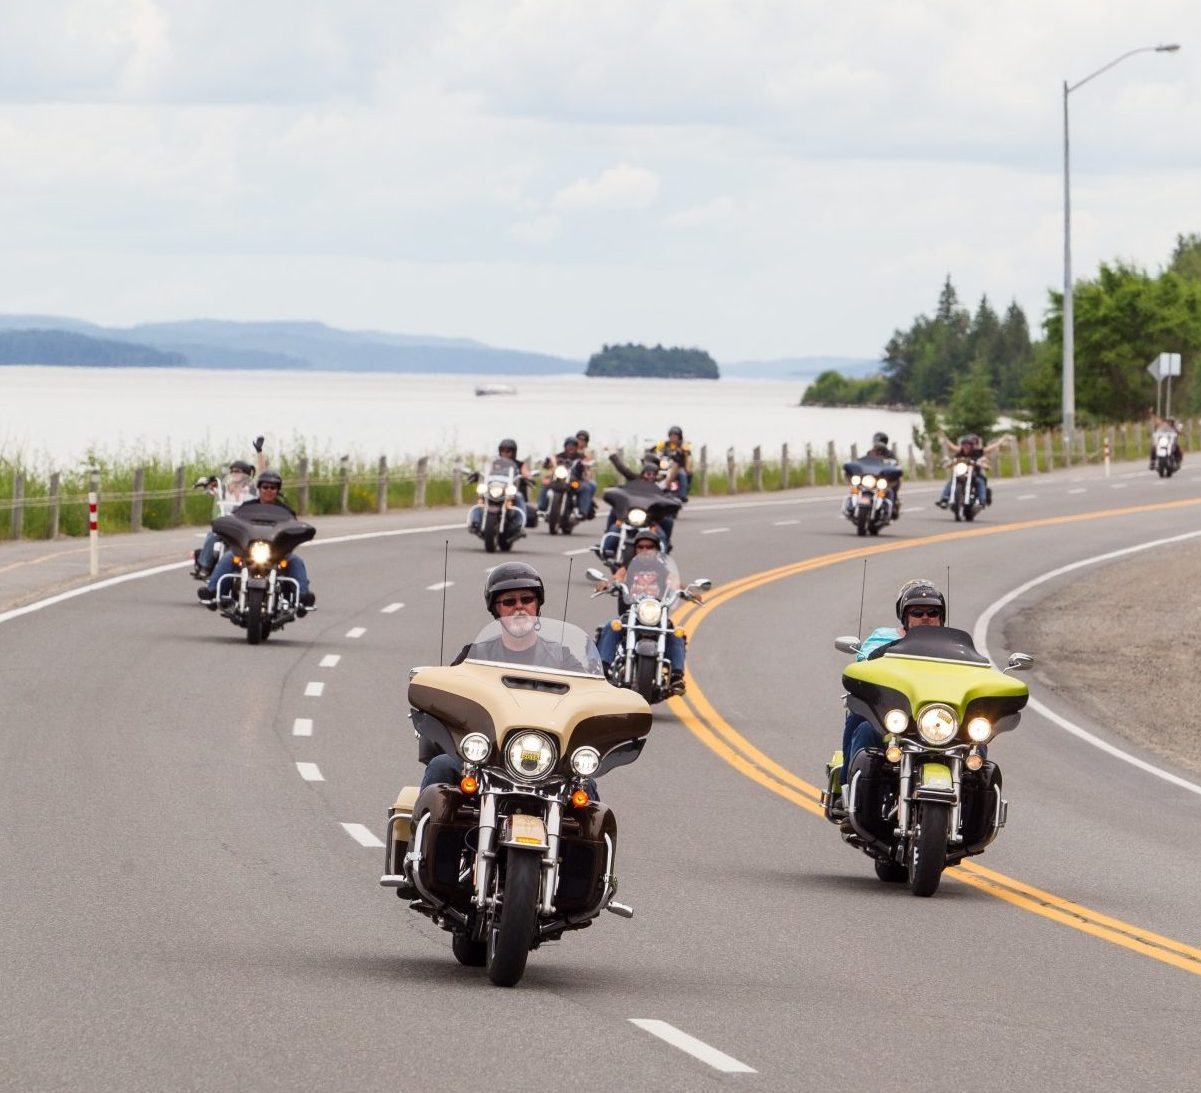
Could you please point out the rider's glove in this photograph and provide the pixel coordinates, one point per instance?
(258, 443)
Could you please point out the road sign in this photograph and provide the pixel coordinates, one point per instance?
(1165, 365)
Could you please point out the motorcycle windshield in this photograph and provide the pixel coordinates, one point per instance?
(533, 641)
(502, 468)
(879, 468)
(651, 576)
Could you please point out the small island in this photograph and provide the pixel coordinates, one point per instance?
(658, 363)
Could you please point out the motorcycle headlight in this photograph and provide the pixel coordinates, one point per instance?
(649, 612)
(560, 472)
(636, 517)
(510, 491)
(585, 761)
(664, 464)
(481, 489)
(960, 469)
(896, 721)
(496, 490)
(855, 480)
(475, 747)
(530, 755)
(260, 553)
(869, 481)
(937, 724)
(979, 729)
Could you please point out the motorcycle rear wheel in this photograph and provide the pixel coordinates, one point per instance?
(510, 934)
(928, 847)
(256, 624)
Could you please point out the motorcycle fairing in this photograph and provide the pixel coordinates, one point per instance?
(271, 524)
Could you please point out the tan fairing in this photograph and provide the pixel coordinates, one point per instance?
(406, 799)
(474, 697)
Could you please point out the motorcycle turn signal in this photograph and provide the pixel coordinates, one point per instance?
(579, 798)
(469, 784)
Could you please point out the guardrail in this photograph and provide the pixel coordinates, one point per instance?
(39, 512)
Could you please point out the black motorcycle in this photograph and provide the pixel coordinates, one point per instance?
(259, 595)
(564, 481)
(636, 505)
(872, 500)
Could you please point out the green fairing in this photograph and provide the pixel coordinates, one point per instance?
(924, 681)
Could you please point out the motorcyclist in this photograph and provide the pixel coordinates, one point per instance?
(649, 474)
(881, 451)
(919, 603)
(269, 485)
(1166, 426)
(588, 484)
(969, 449)
(648, 547)
(680, 454)
(507, 449)
(569, 454)
(236, 487)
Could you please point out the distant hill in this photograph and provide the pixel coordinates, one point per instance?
(657, 362)
(802, 368)
(65, 347)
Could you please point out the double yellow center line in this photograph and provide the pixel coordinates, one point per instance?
(697, 713)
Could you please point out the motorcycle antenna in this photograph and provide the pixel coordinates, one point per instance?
(442, 636)
(862, 593)
(570, 562)
(947, 620)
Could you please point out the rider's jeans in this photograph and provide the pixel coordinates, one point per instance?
(607, 646)
(981, 488)
(685, 480)
(296, 569)
(207, 557)
(587, 492)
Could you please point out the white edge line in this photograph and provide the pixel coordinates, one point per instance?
(363, 835)
(310, 772)
(698, 1049)
(302, 726)
(980, 634)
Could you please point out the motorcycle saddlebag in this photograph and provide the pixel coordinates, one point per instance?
(583, 856)
(453, 817)
(875, 792)
(979, 793)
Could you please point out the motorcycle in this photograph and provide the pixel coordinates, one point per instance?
(519, 851)
(259, 595)
(496, 517)
(634, 506)
(652, 586)
(1167, 462)
(967, 499)
(870, 504)
(926, 796)
(564, 481)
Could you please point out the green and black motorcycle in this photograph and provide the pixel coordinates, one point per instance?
(926, 796)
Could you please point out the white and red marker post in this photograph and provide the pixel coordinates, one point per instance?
(93, 525)
(1107, 457)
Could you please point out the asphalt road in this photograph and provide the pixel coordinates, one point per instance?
(180, 908)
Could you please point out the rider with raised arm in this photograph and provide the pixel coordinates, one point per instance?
(970, 449)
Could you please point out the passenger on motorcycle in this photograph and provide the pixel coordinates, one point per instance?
(680, 454)
(649, 474)
(1166, 426)
(569, 454)
(647, 547)
(919, 603)
(881, 451)
(514, 594)
(237, 487)
(969, 448)
(588, 486)
(269, 485)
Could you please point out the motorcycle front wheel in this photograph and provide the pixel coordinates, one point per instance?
(510, 934)
(928, 847)
(491, 522)
(256, 623)
(556, 507)
(861, 519)
(644, 677)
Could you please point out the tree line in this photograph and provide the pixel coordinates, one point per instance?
(641, 360)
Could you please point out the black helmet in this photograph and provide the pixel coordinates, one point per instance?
(880, 440)
(270, 478)
(650, 465)
(647, 534)
(919, 593)
(508, 444)
(508, 576)
(571, 440)
(241, 466)
(583, 434)
(677, 430)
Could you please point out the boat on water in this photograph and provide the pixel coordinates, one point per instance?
(495, 389)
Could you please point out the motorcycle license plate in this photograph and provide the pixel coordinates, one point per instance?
(526, 831)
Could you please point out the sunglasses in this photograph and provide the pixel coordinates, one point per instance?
(515, 601)
(924, 613)
(646, 548)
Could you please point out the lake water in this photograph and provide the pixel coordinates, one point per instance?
(54, 416)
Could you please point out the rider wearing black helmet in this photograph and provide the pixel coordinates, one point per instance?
(269, 485)
(881, 451)
(568, 456)
(588, 484)
(507, 449)
(969, 447)
(919, 603)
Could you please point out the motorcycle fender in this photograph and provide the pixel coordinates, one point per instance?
(647, 647)
(256, 582)
(524, 832)
(934, 783)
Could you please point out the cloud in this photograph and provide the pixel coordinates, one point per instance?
(702, 216)
(619, 188)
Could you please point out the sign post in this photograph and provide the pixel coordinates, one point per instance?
(1164, 367)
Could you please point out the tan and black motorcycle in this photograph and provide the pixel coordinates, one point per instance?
(518, 850)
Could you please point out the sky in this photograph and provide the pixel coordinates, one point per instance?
(760, 178)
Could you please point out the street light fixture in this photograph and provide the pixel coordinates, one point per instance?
(1069, 346)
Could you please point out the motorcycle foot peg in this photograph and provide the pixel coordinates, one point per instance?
(622, 909)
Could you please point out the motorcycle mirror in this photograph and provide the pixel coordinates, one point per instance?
(704, 584)
(595, 575)
(1021, 662)
(847, 645)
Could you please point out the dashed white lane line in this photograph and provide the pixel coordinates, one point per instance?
(915, 508)
(302, 726)
(439, 586)
(363, 835)
(1082, 489)
(582, 550)
(309, 772)
(330, 660)
(314, 689)
(391, 609)
(356, 631)
(1117, 485)
(786, 523)
(698, 1049)
(1027, 496)
(714, 531)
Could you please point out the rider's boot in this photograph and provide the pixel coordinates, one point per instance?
(677, 683)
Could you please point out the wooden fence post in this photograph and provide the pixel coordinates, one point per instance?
(52, 530)
(382, 494)
(16, 525)
(912, 461)
(139, 493)
(785, 471)
(423, 466)
(1048, 451)
(344, 475)
(834, 476)
(177, 498)
(928, 457)
(457, 480)
(302, 486)
(1032, 452)
(757, 469)
(1140, 448)
(810, 466)
(731, 472)
(1015, 449)
(854, 452)
(704, 470)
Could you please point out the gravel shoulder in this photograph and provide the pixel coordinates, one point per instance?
(1108, 643)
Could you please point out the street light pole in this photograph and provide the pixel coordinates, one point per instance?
(1069, 339)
